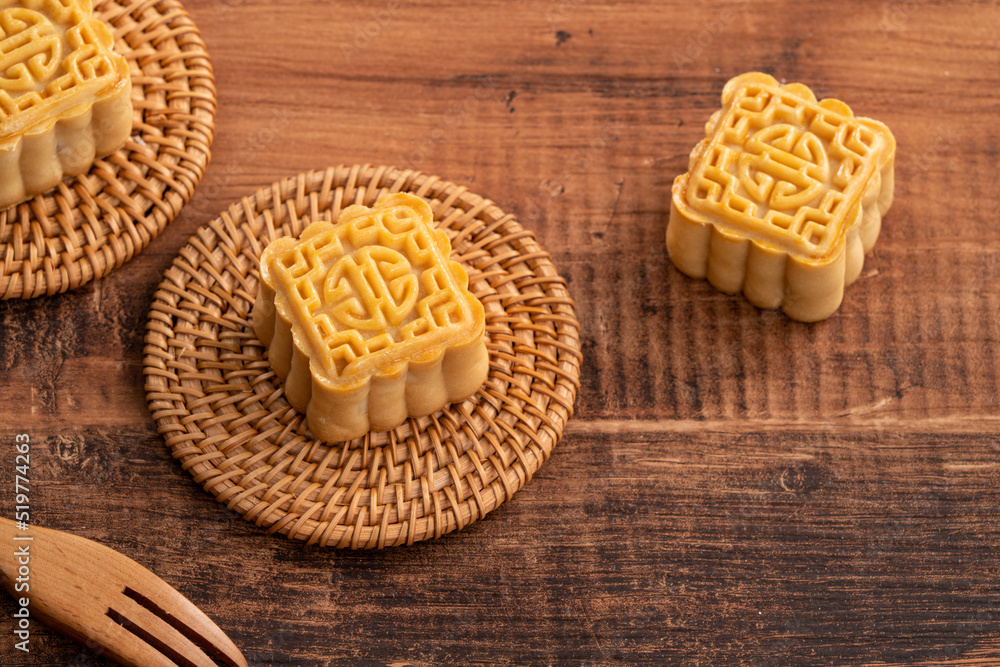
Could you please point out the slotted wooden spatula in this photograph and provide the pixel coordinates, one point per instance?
(109, 602)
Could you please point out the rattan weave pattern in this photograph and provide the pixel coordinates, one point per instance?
(91, 224)
(222, 410)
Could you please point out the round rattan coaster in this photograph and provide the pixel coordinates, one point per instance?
(223, 413)
(90, 225)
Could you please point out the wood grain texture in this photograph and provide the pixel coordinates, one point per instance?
(735, 488)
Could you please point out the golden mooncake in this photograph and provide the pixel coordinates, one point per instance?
(368, 321)
(783, 198)
(65, 95)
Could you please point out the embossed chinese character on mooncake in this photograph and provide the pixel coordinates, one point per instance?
(368, 321)
(783, 198)
(65, 95)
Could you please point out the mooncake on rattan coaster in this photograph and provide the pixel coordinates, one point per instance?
(65, 94)
(368, 321)
(223, 412)
(88, 225)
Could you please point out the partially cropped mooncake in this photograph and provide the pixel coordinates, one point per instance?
(783, 198)
(368, 321)
(65, 95)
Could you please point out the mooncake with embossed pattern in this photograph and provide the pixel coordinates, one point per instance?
(368, 321)
(783, 198)
(65, 95)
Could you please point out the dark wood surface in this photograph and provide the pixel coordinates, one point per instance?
(734, 489)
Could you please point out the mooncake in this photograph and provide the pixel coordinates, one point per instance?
(368, 321)
(783, 198)
(65, 95)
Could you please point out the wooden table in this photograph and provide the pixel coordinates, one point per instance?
(735, 487)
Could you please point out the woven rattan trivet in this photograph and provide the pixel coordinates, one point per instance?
(90, 225)
(223, 413)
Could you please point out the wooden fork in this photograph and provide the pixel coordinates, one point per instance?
(108, 602)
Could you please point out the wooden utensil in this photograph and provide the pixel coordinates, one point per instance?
(108, 602)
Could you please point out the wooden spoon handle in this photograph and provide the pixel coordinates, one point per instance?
(8, 557)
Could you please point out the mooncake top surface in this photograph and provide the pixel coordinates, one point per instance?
(373, 291)
(54, 56)
(784, 169)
